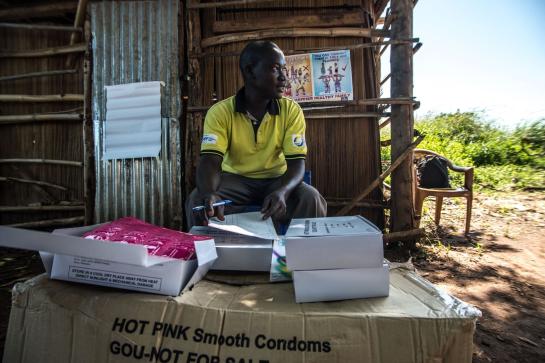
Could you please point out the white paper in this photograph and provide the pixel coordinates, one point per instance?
(133, 120)
(331, 226)
(248, 224)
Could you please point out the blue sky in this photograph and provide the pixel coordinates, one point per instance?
(481, 55)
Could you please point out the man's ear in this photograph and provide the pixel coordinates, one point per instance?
(248, 71)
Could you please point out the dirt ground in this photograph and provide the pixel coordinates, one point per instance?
(500, 269)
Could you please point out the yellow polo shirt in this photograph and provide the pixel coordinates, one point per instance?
(228, 132)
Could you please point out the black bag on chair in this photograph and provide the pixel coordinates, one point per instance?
(432, 172)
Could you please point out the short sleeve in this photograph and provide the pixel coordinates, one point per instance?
(295, 145)
(215, 134)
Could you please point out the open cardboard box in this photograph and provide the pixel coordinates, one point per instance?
(67, 256)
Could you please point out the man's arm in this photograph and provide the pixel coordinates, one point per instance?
(208, 181)
(275, 203)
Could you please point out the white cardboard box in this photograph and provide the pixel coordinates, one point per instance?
(238, 252)
(66, 256)
(341, 284)
(333, 243)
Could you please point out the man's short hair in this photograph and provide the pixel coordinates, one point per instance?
(254, 51)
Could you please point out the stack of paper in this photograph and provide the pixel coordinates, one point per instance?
(336, 258)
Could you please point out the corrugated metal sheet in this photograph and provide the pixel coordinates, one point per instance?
(137, 41)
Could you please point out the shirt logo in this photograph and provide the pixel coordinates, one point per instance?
(209, 139)
(298, 140)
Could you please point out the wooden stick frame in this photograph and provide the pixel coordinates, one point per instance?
(380, 179)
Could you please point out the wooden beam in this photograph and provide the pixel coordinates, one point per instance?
(415, 49)
(18, 119)
(292, 33)
(378, 181)
(343, 115)
(402, 215)
(42, 208)
(89, 179)
(46, 196)
(78, 22)
(49, 223)
(33, 182)
(193, 4)
(42, 161)
(39, 27)
(308, 50)
(341, 202)
(41, 98)
(45, 52)
(384, 123)
(332, 19)
(38, 74)
(38, 11)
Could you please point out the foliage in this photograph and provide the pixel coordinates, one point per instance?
(503, 159)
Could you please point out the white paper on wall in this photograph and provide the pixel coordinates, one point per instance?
(133, 120)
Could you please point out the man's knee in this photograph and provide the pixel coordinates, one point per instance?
(310, 202)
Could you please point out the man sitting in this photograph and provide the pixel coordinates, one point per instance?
(253, 147)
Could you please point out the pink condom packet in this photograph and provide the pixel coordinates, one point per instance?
(158, 240)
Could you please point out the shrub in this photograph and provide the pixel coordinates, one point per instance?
(467, 139)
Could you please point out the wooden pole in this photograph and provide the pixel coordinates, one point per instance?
(41, 208)
(78, 22)
(307, 50)
(18, 119)
(384, 123)
(42, 161)
(38, 11)
(293, 33)
(42, 98)
(415, 49)
(311, 116)
(34, 182)
(49, 222)
(38, 74)
(45, 52)
(341, 202)
(46, 196)
(402, 122)
(89, 179)
(403, 158)
(39, 27)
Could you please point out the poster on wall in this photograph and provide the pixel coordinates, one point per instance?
(315, 77)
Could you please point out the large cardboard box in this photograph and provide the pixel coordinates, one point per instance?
(67, 256)
(333, 243)
(346, 283)
(56, 322)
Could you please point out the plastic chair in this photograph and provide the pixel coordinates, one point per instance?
(422, 193)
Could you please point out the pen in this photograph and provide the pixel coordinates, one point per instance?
(217, 204)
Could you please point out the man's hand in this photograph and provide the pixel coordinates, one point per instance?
(274, 204)
(202, 216)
